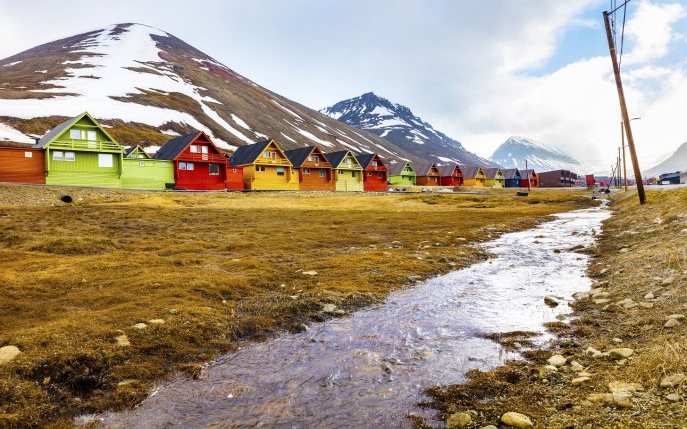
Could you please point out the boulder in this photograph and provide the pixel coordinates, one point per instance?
(329, 308)
(621, 353)
(8, 353)
(673, 380)
(671, 323)
(557, 361)
(516, 420)
(458, 420)
(551, 302)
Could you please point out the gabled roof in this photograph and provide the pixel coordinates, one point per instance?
(491, 173)
(137, 149)
(397, 168)
(527, 173)
(472, 171)
(366, 158)
(61, 128)
(335, 158)
(447, 170)
(424, 169)
(299, 156)
(248, 154)
(511, 173)
(173, 147)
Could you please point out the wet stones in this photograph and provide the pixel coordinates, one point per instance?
(329, 308)
(620, 353)
(516, 420)
(8, 353)
(551, 302)
(458, 420)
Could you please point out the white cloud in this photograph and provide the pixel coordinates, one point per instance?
(651, 30)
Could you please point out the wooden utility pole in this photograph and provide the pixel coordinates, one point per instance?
(528, 177)
(623, 109)
(619, 177)
(622, 144)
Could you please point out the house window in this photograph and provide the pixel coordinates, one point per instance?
(69, 156)
(341, 172)
(141, 163)
(105, 160)
(28, 155)
(323, 172)
(91, 136)
(204, 149)
(189, 166)
(374, 163)
(280, 170)
(380, 174)
(233, 170)
(140, 155)
(260, 168)
(369, 173)
(306, 170)
(182, 166)
(194, 148)
(265, 154)
(353, 173)
(58, 156)
(214, 169)
(75, 134)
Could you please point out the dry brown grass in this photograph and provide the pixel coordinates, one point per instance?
(655, 236)
(216, 267)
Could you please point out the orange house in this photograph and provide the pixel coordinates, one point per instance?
(314, 171)
(427, 175)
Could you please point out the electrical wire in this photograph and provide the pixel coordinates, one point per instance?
(622, 34)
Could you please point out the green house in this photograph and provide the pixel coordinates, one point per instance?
(140, 171)
(348, 172)
(401, 174)
(80, 152)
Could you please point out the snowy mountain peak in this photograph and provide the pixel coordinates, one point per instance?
(148, 85)
(398, 124)
(539, 156)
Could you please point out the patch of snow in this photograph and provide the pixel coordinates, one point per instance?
(240, 122)
(207, 99)
(322, 129)
(260, 135)
(288, 138)
(314, 137)
(287, 110)
(214, 116)
(151, 150)
(385, 133)
(335, 115)
(41, 71)
(392, 122)
(13, 64)
(382, 111)
(350, 146)
(443, 159)
(8, 133)
(170, 132)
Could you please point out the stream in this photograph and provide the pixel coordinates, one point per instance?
(369, 369)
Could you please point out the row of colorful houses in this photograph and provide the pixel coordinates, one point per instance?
(80, 152)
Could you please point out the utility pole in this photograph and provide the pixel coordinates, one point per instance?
(622, 144)
(528, 176)
(619, 168)
(623, 109)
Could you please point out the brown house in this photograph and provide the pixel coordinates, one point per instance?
(427, 175)
(22, 165)
(314, 171)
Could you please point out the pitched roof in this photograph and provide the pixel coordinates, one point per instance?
(298, 156)
(491, 173)
(511, 173)
(128, 151)
(526, 173)
(424, 169)
(365, 158)
(173, 147)
(247, 154)
(448, 169)
(470, 171)
(335, 158)
(396, 169)
(52, 134)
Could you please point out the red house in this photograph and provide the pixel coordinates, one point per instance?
(375, 173)
(531, 176)
(198, 163)
(451, 175)
(234, 180)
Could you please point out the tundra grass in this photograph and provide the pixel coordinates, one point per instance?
(641, 251)
(204, 271)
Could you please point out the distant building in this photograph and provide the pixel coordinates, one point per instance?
(669, 178)
(557, 179)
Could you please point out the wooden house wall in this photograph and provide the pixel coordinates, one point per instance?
(349, 180)
(498, 182)
(200, 179)
(372, 182)
(513, 183)
(478, 181)
(234, 181)
(452, 180)
(84, 170)
(314, 181)
(141, 173)
(428, 180)
(22, 165)
(269, 180)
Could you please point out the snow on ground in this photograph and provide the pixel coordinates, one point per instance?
(392, 122)
(313, 137)
(288, 138)
(240, 122)
(382, 111)
(350, 146)
(385, 133)
(132, 48)
(12, 64)
(8, 133)
(170, 132)
(443, 159)
(287, 110)
(41, 71)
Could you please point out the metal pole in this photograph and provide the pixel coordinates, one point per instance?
(623, 109)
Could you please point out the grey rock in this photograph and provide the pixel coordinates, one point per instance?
(517, 420)
(673, 380)
(557, 361)
(8, 353)
(620, 353)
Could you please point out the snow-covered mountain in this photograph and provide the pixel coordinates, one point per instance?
(147, 85)
(676, 162)
(514, 151)
(397, 124)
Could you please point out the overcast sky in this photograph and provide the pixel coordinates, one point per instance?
(479, 71)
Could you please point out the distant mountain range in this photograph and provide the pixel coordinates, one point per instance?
(676, 162)
(148, 86)
(513, 152)
(398, 124)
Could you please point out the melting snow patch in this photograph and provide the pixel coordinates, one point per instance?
(170, 132)
(287, 110)
(240, 122)
(8, 133)
(382, 111)
(288, 138)
(12, 64)
(41, 71)
(350, 146)
(314, 138)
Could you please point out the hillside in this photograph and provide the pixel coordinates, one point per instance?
(398, 125)
(513, 152)
(676, 162)
(147, 85)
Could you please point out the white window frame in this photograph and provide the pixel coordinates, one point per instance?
(75, 134)
(190, 166)
(194, 148)
(210, 169)
(306, 170)
(69, 156)
(28, 154)
(182, 166)
(204, 150)
(91, 136)
(104, 159)
(57, 155)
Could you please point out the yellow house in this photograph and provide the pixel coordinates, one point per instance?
(265, 167)
(473, 176)
(494, 178)
(347, 171)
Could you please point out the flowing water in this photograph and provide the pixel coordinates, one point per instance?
(369, 369)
